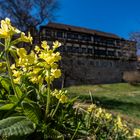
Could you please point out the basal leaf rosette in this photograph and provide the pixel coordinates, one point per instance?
(39, 65)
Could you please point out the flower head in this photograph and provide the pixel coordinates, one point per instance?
(136, 132)
(25, 38)
(7, 29)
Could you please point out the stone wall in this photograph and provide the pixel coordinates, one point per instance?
(86, 70)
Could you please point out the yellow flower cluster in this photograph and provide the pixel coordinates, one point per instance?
(39, 65)
(7, 31)
(99, 112)
(136, 132)
(120, 125)
(91, 108)
(119, 122)
(102, 116)
(60, 95)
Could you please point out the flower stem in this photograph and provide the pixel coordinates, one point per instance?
(48, 96)
(7, 44)
(56, 108)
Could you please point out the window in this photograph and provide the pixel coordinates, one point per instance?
(111, 53)
(85, 37)
(89, 50)
(100, 52)
(59, 34)
(45, 33)
(75, 36)
(97, 39)
(75, 49)
(83, 50)
(72, 35)
(69, 35)
(110, 42)
(69, 48)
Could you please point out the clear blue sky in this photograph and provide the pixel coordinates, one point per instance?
(115, 16)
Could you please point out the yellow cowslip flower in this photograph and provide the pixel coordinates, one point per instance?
(40, 79)
(108, 116)
(119, 122)
(31, 58)
(17, 80)
(56, 44)
(24, 69)
(50, 60)
(58, 95)
(37, 49)
(25, 38)
(34, 79)
(4, 31)
(21, 52)
(91, 107)
(63, 99)
(98, 112)
(43, 64)
(36, 70)
(56, 73)
(44, 45)
(55, 92)
(54, 66)
(50, 57)
(16, 73)
(136, 132)
(56, 56)
(7, 29)
(49, 79)
(13, 67)
(22, 62)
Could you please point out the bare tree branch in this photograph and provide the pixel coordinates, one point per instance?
(28, 13)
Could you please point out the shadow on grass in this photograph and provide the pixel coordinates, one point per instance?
(126, 107)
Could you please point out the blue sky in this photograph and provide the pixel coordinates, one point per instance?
(115, 16)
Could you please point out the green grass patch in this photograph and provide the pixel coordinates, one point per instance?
(121, 98)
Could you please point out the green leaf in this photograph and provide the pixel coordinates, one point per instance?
(5, 83)
(53, 134)
(13, 98)
(32, 111)
(19, 92)
(13, 52)
(7, 107)
(16, 126)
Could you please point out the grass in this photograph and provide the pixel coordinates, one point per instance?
(121, 98)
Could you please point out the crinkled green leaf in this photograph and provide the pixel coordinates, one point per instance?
(16, 126)
(53, 134)
(32, 111)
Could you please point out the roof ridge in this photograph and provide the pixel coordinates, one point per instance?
(82, 29)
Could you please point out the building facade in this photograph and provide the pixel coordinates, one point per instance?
(90, 56)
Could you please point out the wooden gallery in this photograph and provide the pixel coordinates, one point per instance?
(90, 56)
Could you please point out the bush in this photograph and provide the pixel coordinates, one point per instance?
(31, 109)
